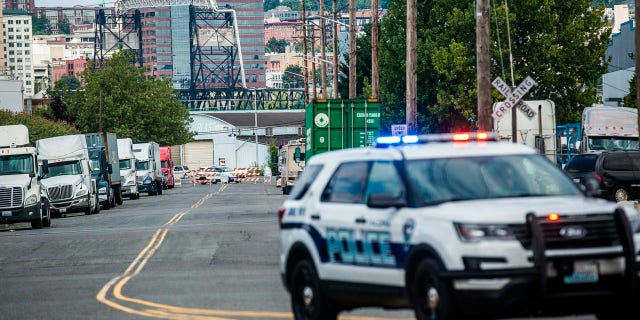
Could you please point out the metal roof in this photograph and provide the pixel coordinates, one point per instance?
(266, 118)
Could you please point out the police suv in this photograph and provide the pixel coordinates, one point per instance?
(454, 226)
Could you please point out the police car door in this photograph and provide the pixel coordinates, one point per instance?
(358, 238)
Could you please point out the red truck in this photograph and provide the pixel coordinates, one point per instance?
(167, 166)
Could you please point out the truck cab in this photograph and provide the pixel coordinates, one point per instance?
(128, 168)
(100, 173)
(167, 167)
(20, 199)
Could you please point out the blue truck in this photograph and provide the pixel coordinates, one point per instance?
(103, 152)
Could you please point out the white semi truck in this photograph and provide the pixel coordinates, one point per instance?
(67, 184)
(149, 172)
(20, 197)
(291, 160)
(128, 169)
(538, 132)
(609, 128)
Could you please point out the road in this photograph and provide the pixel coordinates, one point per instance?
(194, 252)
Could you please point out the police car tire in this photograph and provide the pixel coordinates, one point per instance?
(304, 281)
(425, 278)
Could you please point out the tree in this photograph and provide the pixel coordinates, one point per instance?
(565, 62)
(270, 4)
(630, 99)
(128, 103)
(64, 27)
(41, 25)
(276, 45)
(293, 77)
(272, 161)
(39, 127)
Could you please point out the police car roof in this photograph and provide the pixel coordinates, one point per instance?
(426, 151)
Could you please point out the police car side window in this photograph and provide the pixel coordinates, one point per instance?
(384, 178)
(347, 183)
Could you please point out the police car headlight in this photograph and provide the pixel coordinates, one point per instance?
(31, 200)
(479, 232)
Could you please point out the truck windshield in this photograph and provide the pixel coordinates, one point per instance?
(143, 165)
(125, 164)
(613, 143)
(64, 168)
(454, 179)
(164, 164)
(16, 164)
(96, 165)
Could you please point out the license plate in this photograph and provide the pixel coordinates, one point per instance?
(583, 272)
(6, 213)
(63, 210)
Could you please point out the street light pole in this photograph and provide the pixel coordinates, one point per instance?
(255, 119)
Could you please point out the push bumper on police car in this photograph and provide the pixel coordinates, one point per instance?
(589, 282)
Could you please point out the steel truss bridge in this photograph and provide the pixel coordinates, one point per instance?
(215, 55)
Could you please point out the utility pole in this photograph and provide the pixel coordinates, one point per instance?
(304, 54)
(352, 48)
(412, 70)
(323, 54)
(483, 65)
(336, 35)
(375, 85)
(313, 61)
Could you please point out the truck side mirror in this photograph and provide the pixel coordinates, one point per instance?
(110, 168)
(45, 166)
(298, 155)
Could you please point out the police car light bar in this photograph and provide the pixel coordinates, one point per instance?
(388, 141)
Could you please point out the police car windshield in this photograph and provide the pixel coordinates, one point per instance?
(456, 179)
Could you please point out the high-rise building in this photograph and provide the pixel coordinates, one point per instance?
(18, 30)
(2, 64)
(26, 5)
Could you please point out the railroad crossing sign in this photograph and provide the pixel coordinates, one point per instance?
(513, 98)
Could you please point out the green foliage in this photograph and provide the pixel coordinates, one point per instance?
(41, 25)
(64, 26)
(293, 77)
(121, 98)
(270, 4)
(276, 46)
(630, 99)
(565, 62)
(272, 162)
(39, 127)
(363, 66)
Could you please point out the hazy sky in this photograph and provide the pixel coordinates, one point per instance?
(71, 3)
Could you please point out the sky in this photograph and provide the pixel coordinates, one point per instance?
(71, 3)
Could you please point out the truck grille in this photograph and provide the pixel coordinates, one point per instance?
(10, 197)
(600, 232)
(60, 192)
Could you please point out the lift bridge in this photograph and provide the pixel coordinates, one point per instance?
(216, 80)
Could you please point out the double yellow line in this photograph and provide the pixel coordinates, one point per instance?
(111, 293)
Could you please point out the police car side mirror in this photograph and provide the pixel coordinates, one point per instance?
(385, 200)
(591, 187)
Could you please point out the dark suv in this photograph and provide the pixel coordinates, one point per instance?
(619, 174)
(582, 166)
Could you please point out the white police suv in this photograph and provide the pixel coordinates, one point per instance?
(454, 226)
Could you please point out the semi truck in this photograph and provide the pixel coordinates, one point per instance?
(291, 160)
(128, 169)
(167, 166)
(67, 182)
(609, 128)
(149, 173)
(103, 151)
(20, 193)
(538, 132)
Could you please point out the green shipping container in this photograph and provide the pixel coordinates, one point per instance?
(335, 124)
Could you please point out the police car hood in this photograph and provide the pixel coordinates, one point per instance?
(18, 180)
(61, 180)
(514, 210)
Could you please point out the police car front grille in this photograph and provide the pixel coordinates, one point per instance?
(10, 197)
(600, 232)
(60, 192)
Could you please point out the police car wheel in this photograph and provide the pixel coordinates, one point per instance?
(430, 295)
(307, 302)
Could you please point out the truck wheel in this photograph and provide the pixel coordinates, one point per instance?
(159, 188)
(429, 294)
(307, 302)
(112, 198)
(46, 214)
(37, 223)
(88, 210)
(119, 199)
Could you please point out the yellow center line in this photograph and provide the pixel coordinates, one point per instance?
(163, 311)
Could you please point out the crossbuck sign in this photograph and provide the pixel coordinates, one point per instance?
(513, 98)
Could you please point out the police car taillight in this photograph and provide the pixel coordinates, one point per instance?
(281, 212)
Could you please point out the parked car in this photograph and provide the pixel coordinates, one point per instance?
(582, 166)
(228, 174)
(619, 174)
(181, 172)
